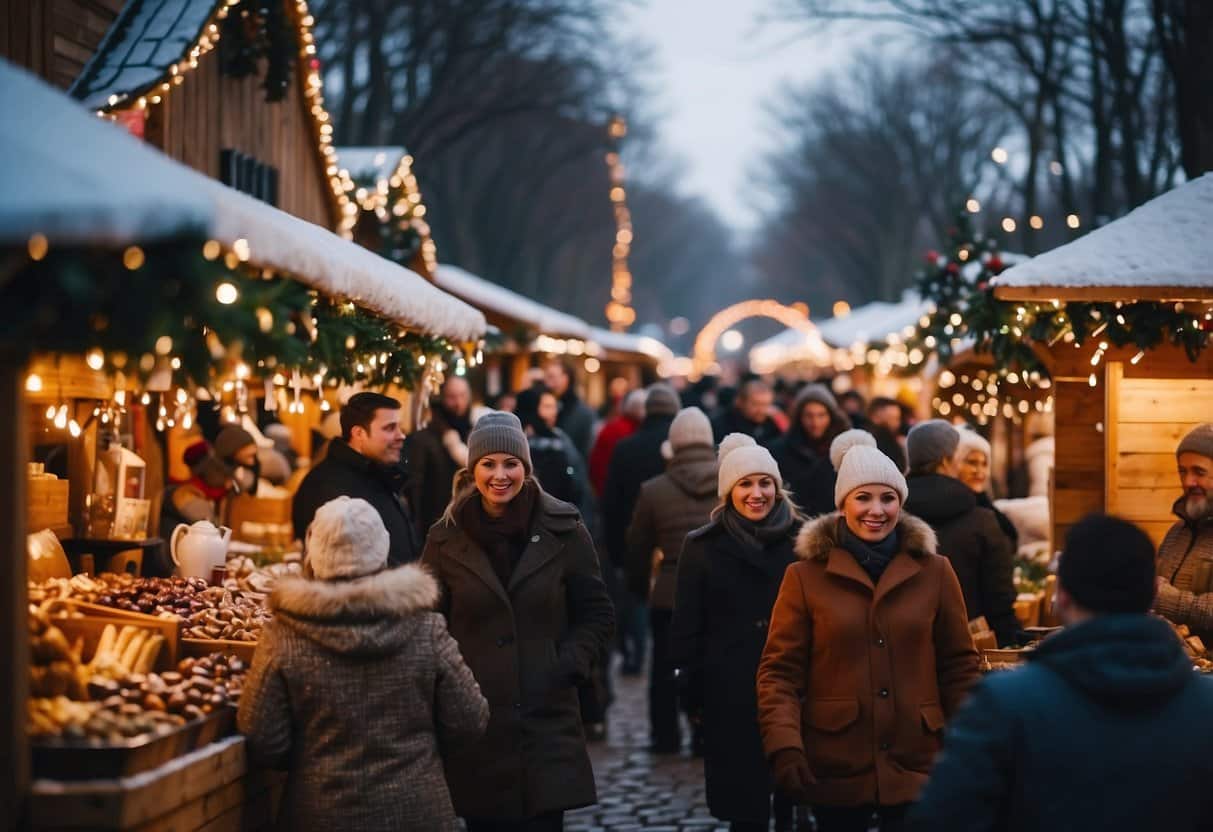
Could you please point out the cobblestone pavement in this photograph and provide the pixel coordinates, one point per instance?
(636, 789)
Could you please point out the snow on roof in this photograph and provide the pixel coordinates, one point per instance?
(146, 39)
(503, 301)
(79, 179)
(791, 345)
(370, 164)
(1165, 243)
(630, 342)
(874, 321)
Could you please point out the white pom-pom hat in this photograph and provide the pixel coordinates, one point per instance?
(346, 539)
(859, 463)
(740, 456)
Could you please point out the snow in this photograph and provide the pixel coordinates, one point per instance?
(1164, 243)
(503, 301)
(629, 342)
(79, 179)
(874, 321)
(143, 43)
(790, 346)
(370, 164)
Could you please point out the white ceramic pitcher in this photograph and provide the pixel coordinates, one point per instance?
(199, 548)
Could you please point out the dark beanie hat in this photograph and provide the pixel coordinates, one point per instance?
(662, 400)
(1107, 565)
(498, 432)
(231, 439)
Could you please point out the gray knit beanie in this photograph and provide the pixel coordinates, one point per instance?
(818, 393)
(1199, 440)
(930, 441)
(661, 400)
(498, 432)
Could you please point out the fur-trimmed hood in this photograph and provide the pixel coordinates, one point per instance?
(365, 616)
(819, 536)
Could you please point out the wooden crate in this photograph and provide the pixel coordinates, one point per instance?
(46, 503)
(90, 627)
(199, 647)
(264, 520)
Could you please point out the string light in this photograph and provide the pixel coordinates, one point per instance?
(619, 311)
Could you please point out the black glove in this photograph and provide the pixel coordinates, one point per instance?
(790, 769)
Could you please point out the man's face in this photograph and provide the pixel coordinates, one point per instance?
(555, 380)
(888, 416)
(382, 440)
(1196, 478)
(456, 397)
(756, 404)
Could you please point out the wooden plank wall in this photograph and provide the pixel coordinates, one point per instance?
(1151, 416)
(1081, 465)
(210, 112)
(54, 38)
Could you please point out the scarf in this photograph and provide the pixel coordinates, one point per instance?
(213, 493)
(757, 537)
(873, 557)
(502, 539)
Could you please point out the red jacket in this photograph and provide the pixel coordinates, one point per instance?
(618, 428)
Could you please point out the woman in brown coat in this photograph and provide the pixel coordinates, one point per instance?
(356, 688)
(867, 654)
(523, 596)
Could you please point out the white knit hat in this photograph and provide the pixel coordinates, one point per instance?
(740, 456)
(690, 427)
(971, 440)
(859, 463)
(346, 539)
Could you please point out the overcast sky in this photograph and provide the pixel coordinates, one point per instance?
(718, 61)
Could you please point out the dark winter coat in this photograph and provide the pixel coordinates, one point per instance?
(560, 469)
(731, 421)
(577, 420)
(669, 507)
(721, 613)
(810, 476)
(861, 676)
(972, 540)
(636, 459)
(529, 645)
(887, 442)
(431, 471)
(358, 691)
(345, 472)
(1106, 728)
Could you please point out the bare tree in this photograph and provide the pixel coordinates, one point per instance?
(881, 159)
(1185, 32)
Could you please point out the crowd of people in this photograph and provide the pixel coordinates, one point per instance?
(804, 569)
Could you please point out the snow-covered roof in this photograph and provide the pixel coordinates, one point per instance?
(1161, 250)
(147, 38)
(874, 321)
(370, 164)
(78, 179)
(629, 342)
(503, 301)
(791, 346)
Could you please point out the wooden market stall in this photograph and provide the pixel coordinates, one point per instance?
(1121, 410)
(165, 282)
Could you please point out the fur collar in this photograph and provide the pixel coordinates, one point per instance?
(393, 593)
(819, 536)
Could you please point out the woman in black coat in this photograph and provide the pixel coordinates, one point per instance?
(524, 598)
(729, 574)
(803, 453)
(558, 465)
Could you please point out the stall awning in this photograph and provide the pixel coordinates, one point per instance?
(80, 180)
(1163, 250)
(509, 304)
(631, 343)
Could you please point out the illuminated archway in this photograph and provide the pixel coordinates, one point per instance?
(704, 354)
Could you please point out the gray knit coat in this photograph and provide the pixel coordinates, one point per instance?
(357, 689)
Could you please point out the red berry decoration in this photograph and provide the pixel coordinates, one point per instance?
(995, 264)
(931, 256)
(953, 268)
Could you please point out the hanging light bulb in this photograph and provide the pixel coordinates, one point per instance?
(61, 417)
(73, 427)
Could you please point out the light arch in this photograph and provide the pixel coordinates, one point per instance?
(704, 353)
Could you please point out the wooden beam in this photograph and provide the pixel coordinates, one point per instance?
(1114, 373)
(14, 636)
(1128, 294)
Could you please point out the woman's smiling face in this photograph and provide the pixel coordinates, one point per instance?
(753, 496)
(871, 512)
(499, 478)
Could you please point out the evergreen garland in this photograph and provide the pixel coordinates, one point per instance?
(255, 31)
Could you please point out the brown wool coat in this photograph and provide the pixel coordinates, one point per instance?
(529, 644)
(358, 691)
(862, 677)
(1186, 544)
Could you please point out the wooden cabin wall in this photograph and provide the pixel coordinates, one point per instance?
(54, 38)
(1146, 418)
(210, 112)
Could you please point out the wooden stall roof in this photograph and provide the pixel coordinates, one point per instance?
(1163, 250)
(508, 309)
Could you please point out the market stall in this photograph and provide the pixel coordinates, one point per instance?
(1140, 292)
(135, 288)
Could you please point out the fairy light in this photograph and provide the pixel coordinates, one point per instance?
(619, 312)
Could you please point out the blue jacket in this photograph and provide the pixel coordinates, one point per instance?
(1107, 728)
